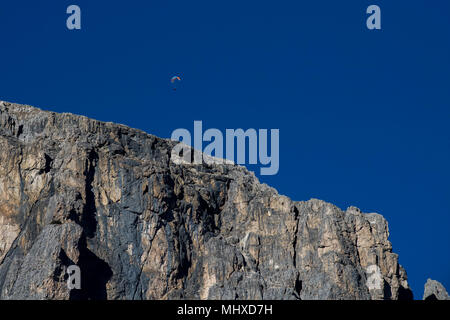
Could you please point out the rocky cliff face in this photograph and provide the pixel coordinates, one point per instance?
(434, 290)
(105, 197)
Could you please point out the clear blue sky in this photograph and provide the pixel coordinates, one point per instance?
(363, 115)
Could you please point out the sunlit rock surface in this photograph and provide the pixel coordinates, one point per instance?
(434, 290)
(109, 199)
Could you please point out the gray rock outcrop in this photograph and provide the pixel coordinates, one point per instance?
(108, 198)
(434, 290)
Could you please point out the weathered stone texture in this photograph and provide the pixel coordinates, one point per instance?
(107, 198)
(434, 290)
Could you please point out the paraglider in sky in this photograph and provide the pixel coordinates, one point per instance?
(174, 81)
(175, 78)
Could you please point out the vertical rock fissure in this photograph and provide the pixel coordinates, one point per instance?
(95, 272)
(88, 220)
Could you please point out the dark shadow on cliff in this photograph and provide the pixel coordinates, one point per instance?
(405, 294)
(184, 243)
(95, 274)
(88, 220)
(431, 298)
(298, 288)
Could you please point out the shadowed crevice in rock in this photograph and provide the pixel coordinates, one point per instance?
(298, 288)
(48, 164)
(88, 220)
(387, 291)
(184, 243)
(405, 294)
(95, 274)
(60, 271)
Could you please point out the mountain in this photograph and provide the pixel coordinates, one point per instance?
(434, 290)
(108, 198)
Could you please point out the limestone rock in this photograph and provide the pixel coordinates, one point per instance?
(434, 290)
(108, 198)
